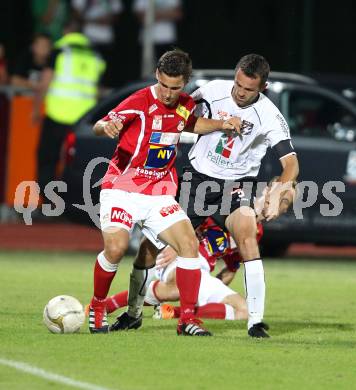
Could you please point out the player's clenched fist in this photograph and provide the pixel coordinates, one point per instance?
(111, 128)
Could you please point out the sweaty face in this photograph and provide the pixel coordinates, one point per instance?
(246, 89)
(168, 88)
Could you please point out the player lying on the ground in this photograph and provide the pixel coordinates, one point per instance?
(215, 299)
(214, 244)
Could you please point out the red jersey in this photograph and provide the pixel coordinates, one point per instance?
(147, 146)
(216, 243)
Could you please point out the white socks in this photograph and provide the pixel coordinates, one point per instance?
(105, 264)
(139, 280)
(255, 291)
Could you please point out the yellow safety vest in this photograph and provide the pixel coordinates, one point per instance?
(73, 90)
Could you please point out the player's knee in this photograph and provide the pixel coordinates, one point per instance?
(114, 252)
(247, 241)
(187, 246)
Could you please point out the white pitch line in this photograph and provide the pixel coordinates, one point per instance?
(49, 375)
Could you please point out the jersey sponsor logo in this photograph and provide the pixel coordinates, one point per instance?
(114, 116)
(246, 127)
(121, 216)
(160, 156)
(219, 160)
(157, 122)
(217, 241)
(152, 108)
(168, 210)
(283, 124)
(181, 125)
(150, 173)
(164, 138)
(183, 112)
(225, 145)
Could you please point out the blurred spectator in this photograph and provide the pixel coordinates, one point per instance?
(3, 65)
(167, 14)
(98, 18)
(27, 71)
(69, 85)
(50, 17)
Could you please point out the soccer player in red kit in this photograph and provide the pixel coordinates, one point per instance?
(140, 185)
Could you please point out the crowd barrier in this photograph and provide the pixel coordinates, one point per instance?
(18, 141)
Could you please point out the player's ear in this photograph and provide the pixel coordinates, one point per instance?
(264, 87)
(157, 74)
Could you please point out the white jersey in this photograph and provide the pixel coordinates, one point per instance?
(235, 157)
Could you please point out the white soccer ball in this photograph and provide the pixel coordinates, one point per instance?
(63, 314)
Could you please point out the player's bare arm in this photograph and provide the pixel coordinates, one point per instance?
(165, 257)
(206, 126)
(110, 128)
(279, 196)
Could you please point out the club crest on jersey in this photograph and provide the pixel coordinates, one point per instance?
(246, 127)
(152, 108)
(121, 216)
(160, 156)
(225, 145)
(217, 240)
(183, 112)
(157, 122)
(181, 126)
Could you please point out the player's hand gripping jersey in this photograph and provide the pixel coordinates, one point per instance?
(215, 244)
(144, 158)
(237, 156)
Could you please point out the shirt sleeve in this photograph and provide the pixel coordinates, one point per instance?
(127, 110)
(202, 104)
(277, 129)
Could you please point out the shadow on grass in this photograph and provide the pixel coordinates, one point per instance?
(293, 326)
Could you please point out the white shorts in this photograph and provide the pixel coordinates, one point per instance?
(152, 213)
(212, 289)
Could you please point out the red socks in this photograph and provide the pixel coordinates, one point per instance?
(210, 310)
(188, 283)
(102, 281)
(116, 301)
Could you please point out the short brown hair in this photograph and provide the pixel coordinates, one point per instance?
(175, 63)
(254, 65)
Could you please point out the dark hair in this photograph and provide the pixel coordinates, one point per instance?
(254, 65)
(175, 63)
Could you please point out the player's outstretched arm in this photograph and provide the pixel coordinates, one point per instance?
(110, 128)
(206, 126)
(280, 193)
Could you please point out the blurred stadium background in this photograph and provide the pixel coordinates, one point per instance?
(295, 36)
(311, 304)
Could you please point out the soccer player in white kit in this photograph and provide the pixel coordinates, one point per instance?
(223, 160)
(221, 181)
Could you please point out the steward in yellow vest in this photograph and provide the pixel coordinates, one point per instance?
(69, 88)
(74, 86)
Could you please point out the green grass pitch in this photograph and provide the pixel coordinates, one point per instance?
(311, 309)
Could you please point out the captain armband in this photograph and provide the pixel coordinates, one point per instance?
(284, 148)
